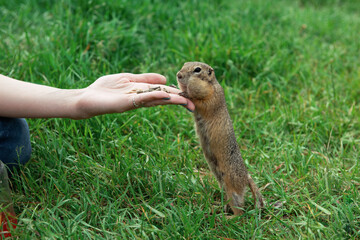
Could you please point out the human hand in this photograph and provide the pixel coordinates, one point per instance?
(117, 93)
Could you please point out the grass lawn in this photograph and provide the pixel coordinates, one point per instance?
(291, 74)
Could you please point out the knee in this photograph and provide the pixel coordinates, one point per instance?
(15, 147)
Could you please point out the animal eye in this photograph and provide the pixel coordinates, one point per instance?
(197, 70)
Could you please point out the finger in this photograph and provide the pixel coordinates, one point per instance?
(152, 78)
(143, 98)
(159, 95)
(139, 100)
(190, 105)
(169, 89)
(158, 103)
(145, 87)
(164, 102)
(163, 98)
(176, 99)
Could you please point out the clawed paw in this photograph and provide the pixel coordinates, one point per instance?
(184, 94)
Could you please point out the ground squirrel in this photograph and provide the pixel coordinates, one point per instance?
(214, 127)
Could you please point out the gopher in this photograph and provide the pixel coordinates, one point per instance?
(214, 127)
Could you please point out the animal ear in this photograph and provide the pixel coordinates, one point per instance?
(210, 71)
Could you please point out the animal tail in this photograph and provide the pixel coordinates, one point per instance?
(258, 199)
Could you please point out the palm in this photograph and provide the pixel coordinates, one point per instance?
(117, 93)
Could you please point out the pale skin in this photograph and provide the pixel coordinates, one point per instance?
(108, 94)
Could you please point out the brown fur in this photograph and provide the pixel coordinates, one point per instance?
(215, 130)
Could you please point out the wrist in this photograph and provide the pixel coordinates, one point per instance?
(80, 107)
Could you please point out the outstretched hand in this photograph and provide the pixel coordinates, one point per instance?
(117, 93)
(109, 94)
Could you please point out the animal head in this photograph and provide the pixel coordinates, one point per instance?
(197, 80)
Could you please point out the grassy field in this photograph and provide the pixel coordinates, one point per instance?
(291, 74)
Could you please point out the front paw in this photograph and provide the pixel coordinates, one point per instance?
(184, 94)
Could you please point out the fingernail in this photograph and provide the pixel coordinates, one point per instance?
(189, 110)
(166, 98)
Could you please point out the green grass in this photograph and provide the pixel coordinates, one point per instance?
(291, 74)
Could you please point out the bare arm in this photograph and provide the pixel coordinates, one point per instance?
(108, 94)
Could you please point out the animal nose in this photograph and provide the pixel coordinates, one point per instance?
(179, 75)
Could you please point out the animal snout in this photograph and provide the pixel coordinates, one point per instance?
(179, 75)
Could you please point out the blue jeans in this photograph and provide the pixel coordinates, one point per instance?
(15, 147)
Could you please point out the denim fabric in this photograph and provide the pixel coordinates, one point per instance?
(15, 147)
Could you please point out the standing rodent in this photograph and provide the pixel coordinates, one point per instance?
(213, 125)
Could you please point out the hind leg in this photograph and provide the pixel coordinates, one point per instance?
(236, 195)
(236, 201)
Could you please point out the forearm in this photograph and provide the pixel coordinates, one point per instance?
(28, 100)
